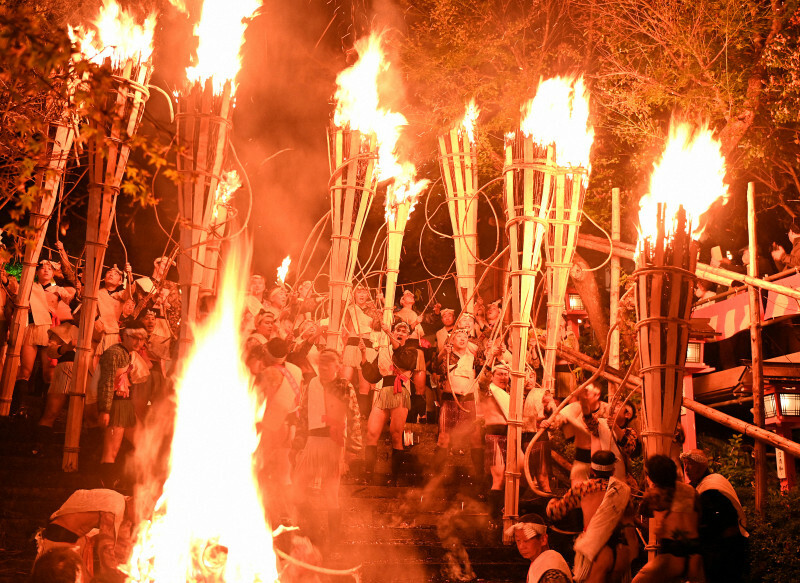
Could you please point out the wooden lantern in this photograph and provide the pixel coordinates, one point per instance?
(664, 290)
(459, 163)
(108, 156)
(530, 185)
(203, 126)
(352, 156)
(49, 173)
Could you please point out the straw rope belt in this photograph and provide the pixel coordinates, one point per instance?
(348, 237)
(645, 369)
(648, 432)
(564, 221)
(554, 264)
(134, 84)
(459, 154)
(344, 283)
(542, 166)
(514, 272)
(214, 117)
(451, 197)
(653, 269)
(395, 231)
(520, 218)
(515, 422)
(199, 172)
(519, 324)
(682, 322)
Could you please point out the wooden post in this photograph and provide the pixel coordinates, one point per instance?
(755, 349)
(61, 134)
(616, 233)
(108, 156)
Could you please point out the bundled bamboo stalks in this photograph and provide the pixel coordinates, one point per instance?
(222, 215)
(48, 177)
(108, 156)
(562, 236)
(458, 159)
(664, 291)
(352, 156)
(203, 125)
(530, 185)
(398, 208)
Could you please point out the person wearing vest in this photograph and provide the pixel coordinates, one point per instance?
(607, 545)
(110, 299)
(493, 411)
(152, 392)
(392, 368)
(279, 387)
(63, 339)
(48, 304)
(89, 522)
(458, 370)
(547, 565)
(120, 367)
(329, 432)
(415, 340)
(723, 534)
(675, 507)
(358, 327)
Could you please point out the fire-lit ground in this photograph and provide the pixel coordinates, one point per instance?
(400, 534)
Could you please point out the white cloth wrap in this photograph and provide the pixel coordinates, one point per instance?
(721, 483)
(546, 561)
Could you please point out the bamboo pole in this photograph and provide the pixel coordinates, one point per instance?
(351, 157)
(203, 122)
(396, 219)
(616, 233)
(757, 365)
(459, 165)
(729, 421)
(563, 226)
(530, 185)
(61, 134)
(702, 271)
(109, 148)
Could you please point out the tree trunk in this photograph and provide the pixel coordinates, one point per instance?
(586, 285)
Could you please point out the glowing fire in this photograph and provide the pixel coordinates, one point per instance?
(404, 191)
(358, 104)
(559, 114)
(470, 119)
(283, 270)
(221, 34)
(690, 173)
(229, 184)
(116, 34)
(209, 522)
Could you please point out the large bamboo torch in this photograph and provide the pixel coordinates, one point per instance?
(353, 157)
(205, 108)
(49, 173)
(125, 47)
(684, 184)
(530, 183)
(564, 119)
(221, 216)
(459, 161)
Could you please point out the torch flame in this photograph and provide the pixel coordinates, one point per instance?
(470, 119)
(116, 35)
(404, 190)
(283, 270)
(209, 523)
(229, 184)
(358, 104)
(559, 114)
(690, 173)
(221, 35)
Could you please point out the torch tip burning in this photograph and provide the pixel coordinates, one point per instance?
(283, 270)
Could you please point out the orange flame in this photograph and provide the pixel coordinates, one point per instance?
(209, 522)
(690, 173)
(559, 114)
(404, 191)
(229, 184)
(283, 270)
(358, 104)
(470, 119)
(221, 35)
(117, 35)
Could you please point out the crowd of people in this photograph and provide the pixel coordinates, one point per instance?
(326, 408)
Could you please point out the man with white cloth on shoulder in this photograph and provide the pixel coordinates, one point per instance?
(547, 565)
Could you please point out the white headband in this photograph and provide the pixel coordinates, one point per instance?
(529, 529)
(602, 468)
